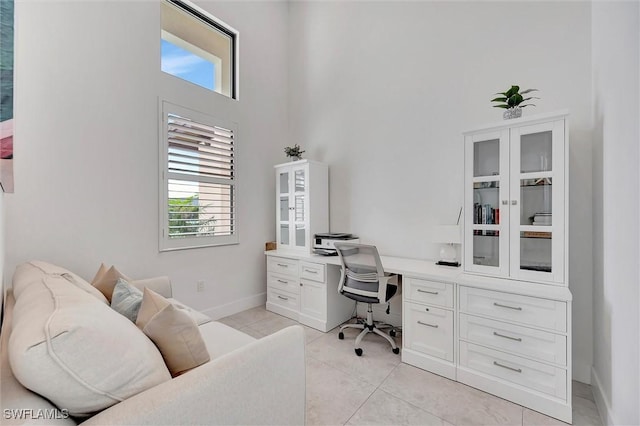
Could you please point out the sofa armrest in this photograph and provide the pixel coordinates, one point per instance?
(260, 383)
(161, 285)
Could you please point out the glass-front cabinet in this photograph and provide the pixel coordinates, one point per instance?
(299, 209)
(515, 200)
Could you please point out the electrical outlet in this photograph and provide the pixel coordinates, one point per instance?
(200, 286)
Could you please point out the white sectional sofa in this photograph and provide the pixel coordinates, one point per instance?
(247, 381)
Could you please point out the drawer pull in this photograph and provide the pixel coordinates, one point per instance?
(283, 265)
(311, 271)
(427, 324)
(517, 339)
(283, 281)
(283, 298)
(517, 370)
(515, 308)
(427, 291)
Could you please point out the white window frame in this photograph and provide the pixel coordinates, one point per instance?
(218, 25)
(165, 242)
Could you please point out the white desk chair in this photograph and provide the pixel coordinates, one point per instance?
(364, 280)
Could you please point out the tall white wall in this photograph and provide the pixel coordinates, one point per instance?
(616, 86)
(382, 91)
(86, 170)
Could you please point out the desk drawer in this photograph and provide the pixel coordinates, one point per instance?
(282, 298)
(283, 282)
(542, 345)
(524, 310)
(510, 368)
(430, 292)
(429, 330)
(312, 271)
(282, 265)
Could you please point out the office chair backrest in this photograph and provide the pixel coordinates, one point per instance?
(362, 272)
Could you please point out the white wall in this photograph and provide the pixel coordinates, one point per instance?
(86, 169)
(616, 70)
(382, 91)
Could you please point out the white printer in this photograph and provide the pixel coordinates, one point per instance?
(324, 243)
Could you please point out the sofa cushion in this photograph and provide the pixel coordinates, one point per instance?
(74, 349)
(221, 339)
(107, 281)
(126, 300)
(32, 272)
(173, 331)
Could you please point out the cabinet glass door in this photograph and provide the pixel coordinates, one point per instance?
(537, 153)
(485, 239)
(284, 209)
(300, 204)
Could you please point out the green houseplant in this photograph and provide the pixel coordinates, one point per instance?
(294, 152)
(513, 101)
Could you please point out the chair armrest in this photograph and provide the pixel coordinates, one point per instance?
(161, 285)
(260, 383)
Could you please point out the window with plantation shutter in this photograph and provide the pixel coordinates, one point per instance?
(198, 163)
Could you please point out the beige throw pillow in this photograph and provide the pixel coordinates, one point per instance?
(173, 331)
(101, 270)
(107, 281)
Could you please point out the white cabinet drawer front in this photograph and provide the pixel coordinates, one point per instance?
(525, 310)
(542, 345)
(312, 271)
(430, 292)
(282, 265)
(531, 374)
(283, 298)
(429, 330)
(283, 282)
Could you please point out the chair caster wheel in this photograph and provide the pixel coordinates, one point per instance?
(392, 333)
(358, 351)
(341, 335)
(396, 350)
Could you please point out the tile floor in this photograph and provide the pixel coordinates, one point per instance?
(377, 389)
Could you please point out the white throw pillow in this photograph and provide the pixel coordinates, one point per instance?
(73, 349)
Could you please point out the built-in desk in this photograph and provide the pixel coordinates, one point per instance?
(510, 338)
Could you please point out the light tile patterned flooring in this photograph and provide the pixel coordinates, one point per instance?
(377, 389)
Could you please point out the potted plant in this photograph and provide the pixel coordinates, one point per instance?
(512, 100)
(294, 152)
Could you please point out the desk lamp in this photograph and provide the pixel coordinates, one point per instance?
(448, 235)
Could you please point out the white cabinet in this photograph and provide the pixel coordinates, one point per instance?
(302, 204)
(428, 325)
(517, 347)
(306, 292)
(515, 199)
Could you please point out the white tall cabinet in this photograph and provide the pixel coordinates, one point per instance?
(516, 200)
(513, 301)
(302, 204)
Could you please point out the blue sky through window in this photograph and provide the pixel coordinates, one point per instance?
(186, 65)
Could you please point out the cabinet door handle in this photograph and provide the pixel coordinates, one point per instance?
(427, 324)
(517, 339)
(515, 308)
(282, 281)
(427, 291)
(311, 271)
(517, 370)
(505, 202)
(283, 298)
(282, 265)
(514, 202)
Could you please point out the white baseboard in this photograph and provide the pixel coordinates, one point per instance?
(234, 307)
(604, 409)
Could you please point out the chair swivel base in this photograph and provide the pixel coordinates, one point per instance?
(370, 327)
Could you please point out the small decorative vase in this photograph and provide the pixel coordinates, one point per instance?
(296, 158)
(510, 113)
